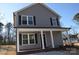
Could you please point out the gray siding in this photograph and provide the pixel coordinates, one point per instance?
(48, 40)
(57, 39)
(42, 20)
(36, 46)
(42, 15)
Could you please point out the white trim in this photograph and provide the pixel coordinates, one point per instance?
(17, 41)
(26, 19)
(34, 39)
(22, 19)
(52, 40)
(54, 21)
(22, 38)
(28, 39)
(43, 37)
(39, 29)
(43, 47)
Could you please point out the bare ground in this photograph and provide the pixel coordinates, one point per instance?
(7, 49)
(11, 50)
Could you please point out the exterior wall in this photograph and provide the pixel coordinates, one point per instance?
(57, 39)
(35, 46)
(41, 14)
(73, 40)
(48, 40)
(38, 46)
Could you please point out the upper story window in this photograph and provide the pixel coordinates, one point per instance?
(30, 19)
(26, 20)
(54, 22)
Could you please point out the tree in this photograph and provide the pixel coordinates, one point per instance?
(1, 27)
(76, 18)
(8, 26)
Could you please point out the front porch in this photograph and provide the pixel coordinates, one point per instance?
(47, 38)
(32, 51)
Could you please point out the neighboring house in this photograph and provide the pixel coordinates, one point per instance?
(37, 27)
(73, 38)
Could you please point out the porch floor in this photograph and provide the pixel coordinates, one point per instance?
(39, 50)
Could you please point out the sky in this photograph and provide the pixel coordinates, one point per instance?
(65, 10)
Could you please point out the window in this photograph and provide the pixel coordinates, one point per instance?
(25, 39)
(53, 22)
(28, 38)
(27, 20)
(24, 20)
(30, 20)
(32, 38)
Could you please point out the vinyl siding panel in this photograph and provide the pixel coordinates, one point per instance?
(42, 15)
(35, 46)
(57, 39)
(38, 45)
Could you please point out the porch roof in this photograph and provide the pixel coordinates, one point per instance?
(43, 28)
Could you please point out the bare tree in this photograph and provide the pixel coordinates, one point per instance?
(76, 18)
(1, 29)
(8, 26)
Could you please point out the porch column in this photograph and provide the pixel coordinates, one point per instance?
(43, 47)
(17, 41)
(68, 36)
(52, 38)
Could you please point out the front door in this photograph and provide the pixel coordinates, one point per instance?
(44, 37)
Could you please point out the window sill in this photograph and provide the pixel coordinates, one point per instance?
(28, 44)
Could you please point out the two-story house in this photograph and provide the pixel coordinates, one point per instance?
(37, 27)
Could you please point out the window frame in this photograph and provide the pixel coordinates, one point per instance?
(23, 39)
(34, 39)
(22, 19)
(28, 39)
(26, 19)
(54, 22)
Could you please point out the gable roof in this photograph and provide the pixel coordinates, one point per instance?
(40, 4)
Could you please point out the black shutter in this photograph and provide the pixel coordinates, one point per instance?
(57, 21)
(51, 21)
(19, 19)
(20, 39)
(36, 38)
(34, 20)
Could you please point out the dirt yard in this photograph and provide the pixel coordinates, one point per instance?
(7, 49)
(11, 50)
